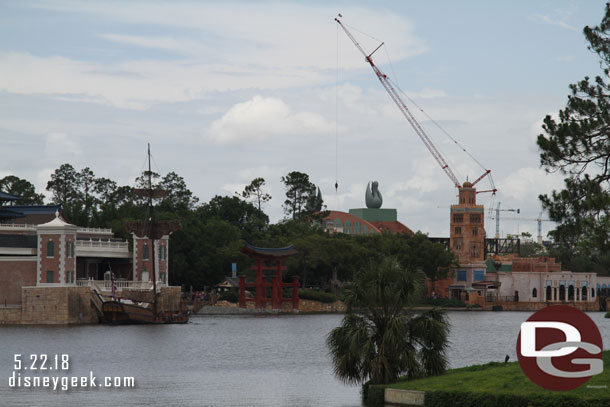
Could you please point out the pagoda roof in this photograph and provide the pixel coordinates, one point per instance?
(8, 197)
(267, 252)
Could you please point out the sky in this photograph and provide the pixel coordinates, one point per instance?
(227, 91)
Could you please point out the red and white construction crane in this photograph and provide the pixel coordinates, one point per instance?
(391, 89)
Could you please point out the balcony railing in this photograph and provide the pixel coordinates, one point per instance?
(95, 230)
(23, 226)
(106, 285)
(102, 244)
(16, 226)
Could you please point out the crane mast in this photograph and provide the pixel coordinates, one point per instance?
(385, 81)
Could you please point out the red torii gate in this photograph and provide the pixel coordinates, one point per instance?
(269, 255)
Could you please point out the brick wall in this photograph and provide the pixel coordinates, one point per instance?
(49, 261)
(13, 276)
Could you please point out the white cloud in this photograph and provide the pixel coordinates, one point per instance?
(60, 144)
(557, 17)
(181, 45)
(262, 118)
(527, 183)
(264, 46)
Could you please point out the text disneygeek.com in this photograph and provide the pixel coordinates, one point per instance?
(42, 363)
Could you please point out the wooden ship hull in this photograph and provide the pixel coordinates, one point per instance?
(115, 312)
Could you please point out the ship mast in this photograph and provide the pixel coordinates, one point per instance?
(152, 234)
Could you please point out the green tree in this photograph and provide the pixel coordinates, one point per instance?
(255, 194)
(577, 145)
(86, 184)
(299, 193)
(64, 185)
(179, 196)
(243, 215)
(377, 340)
(23, 188)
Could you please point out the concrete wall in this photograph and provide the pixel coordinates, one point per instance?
(404, 397)
(51, 305)
(535, 306)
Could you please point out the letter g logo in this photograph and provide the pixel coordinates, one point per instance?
(555, 344)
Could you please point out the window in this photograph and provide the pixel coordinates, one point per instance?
(145, 252)
(69, 277)
(461, 275)
(479, 275)
(50, 249)
(458, 218)
(50, 278)
(534, 293)
(457, 243)
(458, 230)
(163, 277)
(475, 218)
(162, 252)
(70, 249)
(475, 231)
(474, 250)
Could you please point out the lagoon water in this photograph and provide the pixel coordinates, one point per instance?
(224, 360)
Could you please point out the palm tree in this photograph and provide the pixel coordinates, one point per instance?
(378, 340)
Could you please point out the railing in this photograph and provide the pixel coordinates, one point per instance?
(16, 226)
(23, 226)
(94, 230)
(102, 244)
(106, 285)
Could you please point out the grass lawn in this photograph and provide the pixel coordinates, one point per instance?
(507, 379)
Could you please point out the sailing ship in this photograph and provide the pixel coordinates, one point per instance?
(121, 311)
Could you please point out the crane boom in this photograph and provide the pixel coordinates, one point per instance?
(385, 81)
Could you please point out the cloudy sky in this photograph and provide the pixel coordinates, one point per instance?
(229, 91)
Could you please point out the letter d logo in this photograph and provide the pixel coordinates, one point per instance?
(555, 344)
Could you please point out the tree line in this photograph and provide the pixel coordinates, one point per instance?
(213, 232)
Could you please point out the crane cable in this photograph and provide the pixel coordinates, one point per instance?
(421, 109)
(337, 124)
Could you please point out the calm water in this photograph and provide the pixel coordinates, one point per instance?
(226, 360)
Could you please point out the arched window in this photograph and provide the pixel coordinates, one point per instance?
(592, 292)
(571, 293)
(562, 292)
(583, 295)
(534, 293)
(50, 249)
(145, 252)
(548, 293)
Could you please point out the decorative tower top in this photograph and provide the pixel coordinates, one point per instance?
(373, 196)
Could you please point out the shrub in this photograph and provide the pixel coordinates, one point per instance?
(607, 315)
(464, 399)
(230, 296)
(317, 296)
(373, 394)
